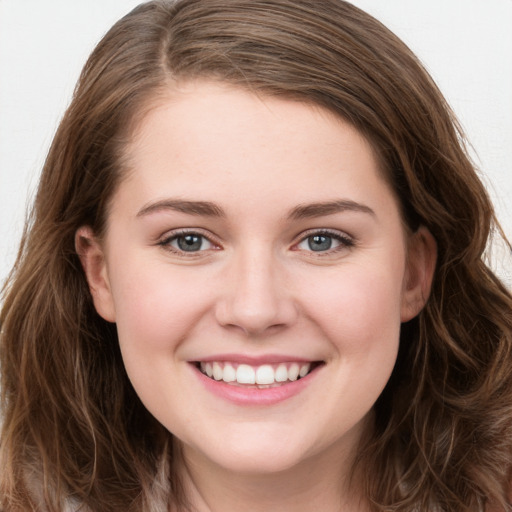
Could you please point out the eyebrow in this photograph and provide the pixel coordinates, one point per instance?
(209, 209)
(202, 208)
(312, 210)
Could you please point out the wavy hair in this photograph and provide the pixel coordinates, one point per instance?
(74, 430)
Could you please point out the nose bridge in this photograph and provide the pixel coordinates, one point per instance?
(256, 298)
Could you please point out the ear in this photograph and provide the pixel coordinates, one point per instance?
(419, 272)
(93, 261)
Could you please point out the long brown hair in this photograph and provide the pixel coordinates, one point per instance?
(74, 430)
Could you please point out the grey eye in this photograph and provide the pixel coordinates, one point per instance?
(319, 242)
(190, 243)
(325, 242)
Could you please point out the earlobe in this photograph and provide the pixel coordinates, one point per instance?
(419, 273)
(93, 262)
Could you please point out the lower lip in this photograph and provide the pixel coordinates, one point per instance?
(241, 395)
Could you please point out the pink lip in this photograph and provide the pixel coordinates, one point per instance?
(249, 396)
(254, 361)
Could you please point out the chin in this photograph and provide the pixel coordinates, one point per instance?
(250, 456)
(260, 463)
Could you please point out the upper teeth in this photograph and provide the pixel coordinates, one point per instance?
(265, 374)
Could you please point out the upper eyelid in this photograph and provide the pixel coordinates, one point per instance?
(168, 235)
(325, 231)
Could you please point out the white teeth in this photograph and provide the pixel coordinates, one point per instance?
(245, 374)
(229, 373)
(281, 374)
(217, 371)
(293, 372)
(264, 376)
(304, 369)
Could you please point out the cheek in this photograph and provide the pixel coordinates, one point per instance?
(360, 316)
(155, 311)
(155, 308)
(359, 309)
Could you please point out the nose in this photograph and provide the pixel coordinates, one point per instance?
(256, 297)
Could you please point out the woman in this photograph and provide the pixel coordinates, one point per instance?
(253, 278)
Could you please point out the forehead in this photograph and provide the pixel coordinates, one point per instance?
(218, 139)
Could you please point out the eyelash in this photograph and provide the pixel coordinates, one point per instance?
(345, 242)
(166, 242)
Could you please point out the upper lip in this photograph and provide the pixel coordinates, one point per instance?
(254, 360)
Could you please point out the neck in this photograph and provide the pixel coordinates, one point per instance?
(322, 482)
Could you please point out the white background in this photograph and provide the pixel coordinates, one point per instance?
(465, 44)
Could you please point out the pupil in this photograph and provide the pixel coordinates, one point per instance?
(189, 242)
(319, 242)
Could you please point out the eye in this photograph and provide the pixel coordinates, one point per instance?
(324, 241)
(187, 242)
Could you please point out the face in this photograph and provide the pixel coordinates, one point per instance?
(258, 270)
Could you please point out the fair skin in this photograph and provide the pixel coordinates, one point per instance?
(257, 233)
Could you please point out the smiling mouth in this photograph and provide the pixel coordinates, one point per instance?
(262, 376)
